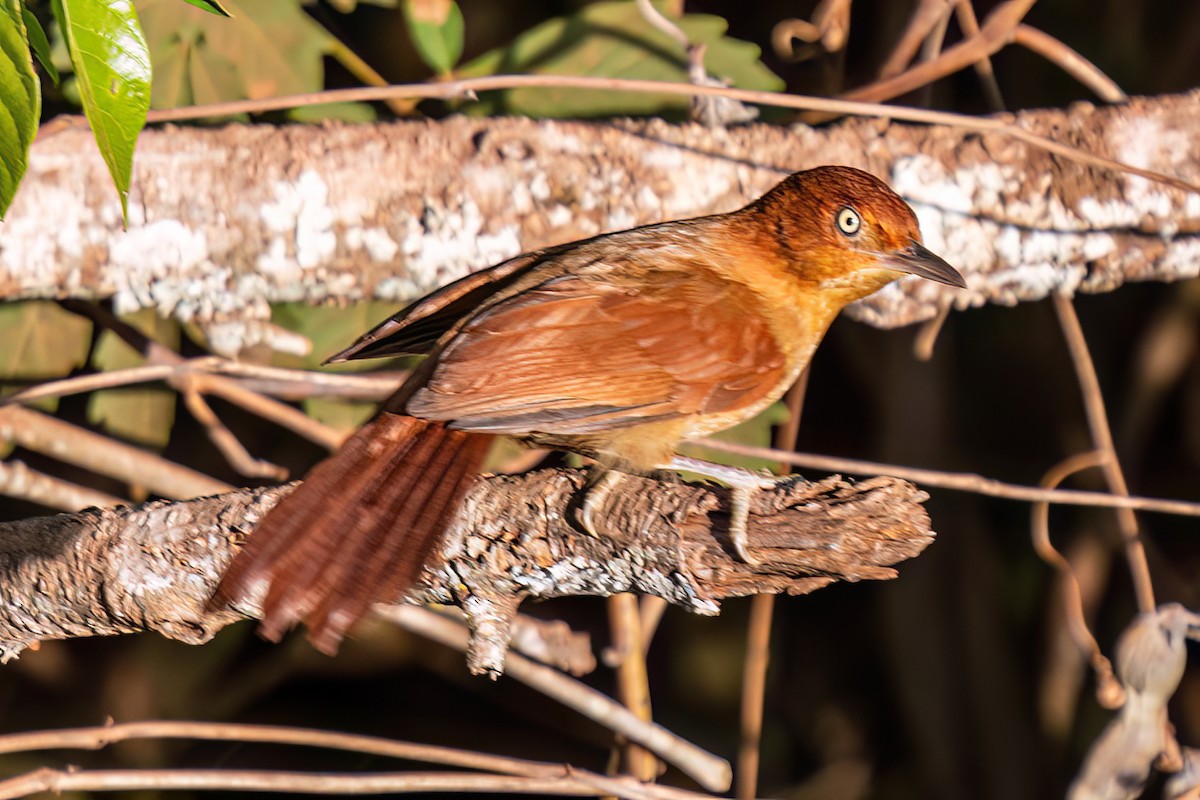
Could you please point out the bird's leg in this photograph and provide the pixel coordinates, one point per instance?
(599, 485)
(742, 484)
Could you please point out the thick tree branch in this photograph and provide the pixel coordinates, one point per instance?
(153, 567)
(226, 221)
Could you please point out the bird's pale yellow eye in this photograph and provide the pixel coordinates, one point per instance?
(848, 221)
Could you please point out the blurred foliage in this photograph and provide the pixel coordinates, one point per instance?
(612, 40)
(19, 97)
(266, 48)
(143, 414)
(436, 27)
(928, 686)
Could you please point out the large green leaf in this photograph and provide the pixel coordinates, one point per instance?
(41, 342)
(142, 414)
(267, 48)
(330, 329)
(436, 28)
(612, 39)
(40, 44)
(112, 65)
(20, 97)
(341, 415)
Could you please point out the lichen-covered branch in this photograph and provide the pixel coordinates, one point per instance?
(226, 221)
(153, 567)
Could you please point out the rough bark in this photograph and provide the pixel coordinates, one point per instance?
(153, 567)
(226, 221)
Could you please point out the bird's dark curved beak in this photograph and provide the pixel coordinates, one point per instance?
(917, 260)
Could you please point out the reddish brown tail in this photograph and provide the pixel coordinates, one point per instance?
(358, 530)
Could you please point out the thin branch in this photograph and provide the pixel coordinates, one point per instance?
(50, 780)
(289, 384)
(104, 456)
(996, 32)
(664, 25)
(1070, 62)
(754, 692)
(1108, 690)
(281, 414)
(98, 737)
(235, 453)
(1097, 417)
(925, 17)
(467, 86)
(19, 481)
(80, 384)
(633, 682)
(960, 481)
(709, 771)
(965, 14)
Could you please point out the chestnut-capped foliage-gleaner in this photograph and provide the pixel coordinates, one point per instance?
(616, 347)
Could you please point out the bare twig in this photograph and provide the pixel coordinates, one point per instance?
(1070, 62)
(50, 780)
(960, 481)
(709, 771)
(926, 16)
(238, 457)
(102, 736)
(633, 683)
(18, 480)
(754, 692)
(662, 24)
(997, 31)
(1108, 691)
(927, 334)
(1097, 417)
(830, 25)
(965, 14)
(290, 384)
(104, 456)
(757, 659)
(272, 410)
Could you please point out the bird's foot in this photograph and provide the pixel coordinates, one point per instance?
(743, 484)
(600, 483)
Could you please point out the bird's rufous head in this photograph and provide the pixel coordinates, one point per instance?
(845, 229)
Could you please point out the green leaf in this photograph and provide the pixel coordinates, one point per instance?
(41, 342)
(267, 48)
(436, 28)
(40, 44)
(330, 329)
(356, 113)
(211, 6)
(612, 39)
(141, 414)
(341, 415)
(20, 101)
(112, 64)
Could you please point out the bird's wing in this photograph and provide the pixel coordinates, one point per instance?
(416, 328)
(577, 354)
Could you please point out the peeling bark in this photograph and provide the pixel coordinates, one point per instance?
(226, 221)
(153, 567)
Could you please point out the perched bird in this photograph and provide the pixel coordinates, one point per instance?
(616, 347)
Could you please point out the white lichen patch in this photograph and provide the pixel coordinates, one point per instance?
(379, 245)
(161, 265)
(446, 244)
(301, 219)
